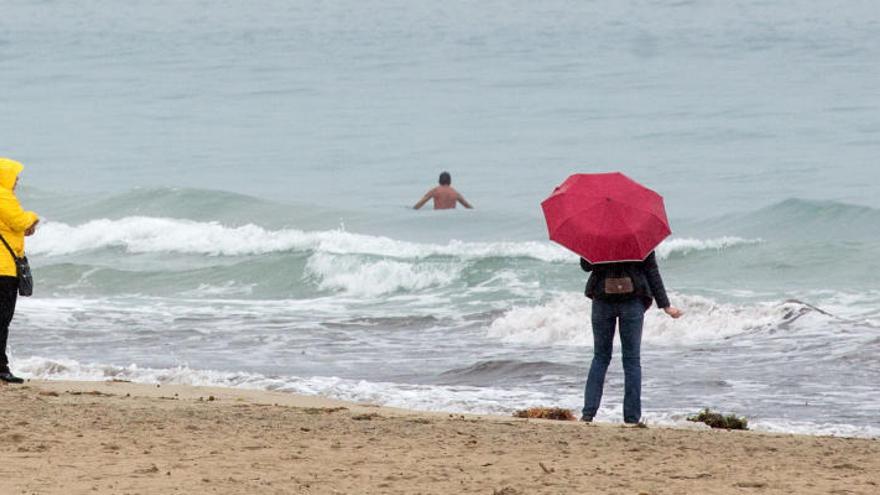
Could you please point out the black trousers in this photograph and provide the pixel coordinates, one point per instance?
(8, 297)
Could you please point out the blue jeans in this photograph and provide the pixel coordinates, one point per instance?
(605, 316)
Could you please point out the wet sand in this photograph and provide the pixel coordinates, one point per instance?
(124, 438)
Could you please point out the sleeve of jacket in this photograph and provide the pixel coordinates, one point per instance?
(652, 272)
(13, 215)
(586, 265)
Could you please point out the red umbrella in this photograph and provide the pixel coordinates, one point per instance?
(606, 217)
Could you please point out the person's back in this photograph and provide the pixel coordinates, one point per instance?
(445, 196)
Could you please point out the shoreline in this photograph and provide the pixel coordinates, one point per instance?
(123, 437)
(666, 419)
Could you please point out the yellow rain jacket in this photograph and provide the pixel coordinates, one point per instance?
(13, 219)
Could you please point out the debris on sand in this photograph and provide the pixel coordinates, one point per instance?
(718, 420)
(365, 417)
(94, 393)
(323, 410)
(556, 413)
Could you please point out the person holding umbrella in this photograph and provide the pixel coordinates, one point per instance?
(614, 224)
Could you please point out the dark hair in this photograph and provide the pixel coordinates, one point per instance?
(445, 179)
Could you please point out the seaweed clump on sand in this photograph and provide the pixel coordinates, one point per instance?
(718, 420)
(556, 413)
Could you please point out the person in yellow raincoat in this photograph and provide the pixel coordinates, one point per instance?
(15, 224)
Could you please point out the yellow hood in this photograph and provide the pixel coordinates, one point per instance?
(9, 170)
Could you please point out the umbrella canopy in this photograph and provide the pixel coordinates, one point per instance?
(606, 217)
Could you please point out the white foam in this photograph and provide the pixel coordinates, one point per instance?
(565, 320)
(509, 281)
(372, 278)
(416, 397)
(679, 420)
(684, 246)
(811, 428)
(562, 320)
(862, 305)
(139, 234)
(224, 289)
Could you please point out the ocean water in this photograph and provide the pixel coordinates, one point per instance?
(226, 189)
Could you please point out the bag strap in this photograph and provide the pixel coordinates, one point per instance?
(14, 257)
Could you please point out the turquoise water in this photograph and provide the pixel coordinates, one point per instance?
(719, 107)
(226, 189)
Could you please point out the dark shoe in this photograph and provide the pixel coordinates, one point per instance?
(10, 378)
(586, 419)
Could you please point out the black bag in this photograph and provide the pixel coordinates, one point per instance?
(23, 269)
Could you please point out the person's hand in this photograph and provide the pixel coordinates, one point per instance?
(30, 230)
(673, 312)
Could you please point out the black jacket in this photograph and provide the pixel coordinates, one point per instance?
(647, 283)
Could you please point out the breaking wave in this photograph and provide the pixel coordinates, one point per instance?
(138, 234)
(565, 320)
(371, 278)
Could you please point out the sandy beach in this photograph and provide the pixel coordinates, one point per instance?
(126, 438)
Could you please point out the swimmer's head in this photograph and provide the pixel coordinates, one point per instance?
(445, 179)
